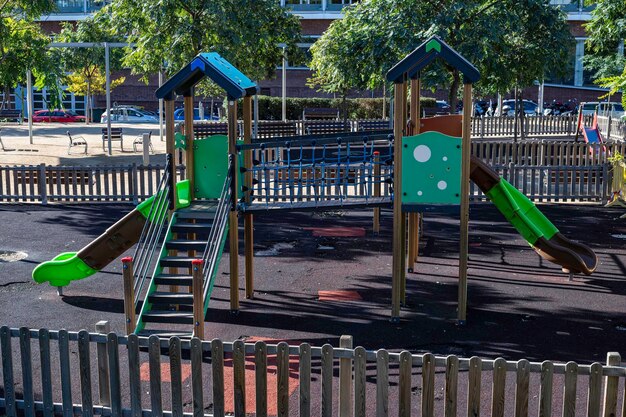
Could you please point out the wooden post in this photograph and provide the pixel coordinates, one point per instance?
(611, 383)
(248, 230)
(377, 187)
(398, 235)
(103, 327)
(129, 294)
(465, 171)
(345, 379)
(403, 232)
(169, 139)
(198, 299)
(414, 217)
(233, 225)
(189, 168)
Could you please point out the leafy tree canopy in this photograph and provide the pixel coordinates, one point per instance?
(245, 32)
(511, 42)
(607, 29)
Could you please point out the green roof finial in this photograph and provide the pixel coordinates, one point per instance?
(433, 44)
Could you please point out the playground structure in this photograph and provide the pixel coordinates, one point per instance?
(181, 232)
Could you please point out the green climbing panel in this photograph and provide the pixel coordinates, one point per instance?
(431, 169)
(210, 165)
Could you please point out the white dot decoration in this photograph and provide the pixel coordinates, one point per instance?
(422, 153)
(445, 158)
(442, 185)
(419, 193)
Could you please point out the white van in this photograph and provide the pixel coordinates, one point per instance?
(129, 114)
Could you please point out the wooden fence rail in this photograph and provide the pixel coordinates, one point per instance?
(43, 375)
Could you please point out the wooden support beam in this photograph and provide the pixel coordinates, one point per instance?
(233, 221)
(129, 294)
(398, 229)
(248, 230)
(466, 147)
(189, 157)
(403, 232)
(169, 141)
(198, 299)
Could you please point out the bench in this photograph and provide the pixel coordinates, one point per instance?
(116, 136)
(76, 141)
(11, 114)
(325, 127)
(268, 130)
(203, 130)
(310, 113)
(373, 125)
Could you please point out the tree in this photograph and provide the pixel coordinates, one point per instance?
(245, 32)
(87, 65)
(511, 42)
(22, 43)
(607, 30)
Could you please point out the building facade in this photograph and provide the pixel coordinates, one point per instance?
(315, 17)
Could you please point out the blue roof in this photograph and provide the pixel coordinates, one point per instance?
(216, 68)
(424, 54)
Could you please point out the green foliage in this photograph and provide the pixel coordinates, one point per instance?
(270, 108)
(171, 32)
(22, 43)
(607, 29)
(512, 42)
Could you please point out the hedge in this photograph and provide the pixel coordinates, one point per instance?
(270, 108)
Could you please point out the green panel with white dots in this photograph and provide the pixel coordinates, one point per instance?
(431, 169)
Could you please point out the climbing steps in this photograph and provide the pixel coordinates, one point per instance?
(169, 300)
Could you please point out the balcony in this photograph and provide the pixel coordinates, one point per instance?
(316, 6)
(79, 6)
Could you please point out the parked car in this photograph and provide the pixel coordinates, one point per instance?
(58, 116)
(589, 107)
(179, 114)
(508, 107)
(616, 110)
(129, 114)
(441, 107)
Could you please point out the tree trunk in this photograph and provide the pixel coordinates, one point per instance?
(88, 113)
(6, 99)
(454, 89)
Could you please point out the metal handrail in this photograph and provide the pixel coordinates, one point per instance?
(152, 231)
(220, 220)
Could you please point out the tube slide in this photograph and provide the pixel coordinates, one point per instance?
(72, 266)
(534, 227)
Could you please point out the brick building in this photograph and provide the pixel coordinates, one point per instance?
(315, 17)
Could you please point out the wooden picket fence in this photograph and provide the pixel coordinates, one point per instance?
(114, 183)
(58, 371)
(612, 128)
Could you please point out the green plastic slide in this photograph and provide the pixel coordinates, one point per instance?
(521, 212)
(73, 266)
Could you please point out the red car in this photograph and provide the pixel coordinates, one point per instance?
(60, 116)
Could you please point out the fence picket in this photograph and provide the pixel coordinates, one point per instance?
(239, 378)
(7, 372)
(114, 375)
(498, 386)
(217, 366)
(521, 388)
(473, 389)
(85, 373)
(428, 385)
(569, 389)
(594, 393)
(154, 358)
(46, 375)
(545, 389)
(359, 381)
(27, 372)
(452, 384)
(196, 377)
(66, 377)
(176, 383)
(382, 383)
(404, 386)
(282, 380)
(134, 375)
(304, 375)
(327, 380)
(260, 378)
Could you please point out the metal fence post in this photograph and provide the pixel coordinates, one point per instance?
(103, 328)
(345, 379)
(42, 184)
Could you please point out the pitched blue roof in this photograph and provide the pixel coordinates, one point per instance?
(216, 68)
(424, 54)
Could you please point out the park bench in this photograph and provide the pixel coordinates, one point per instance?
(317, 127)
(11, 114)
(138, 141)
(76, 141)
(322, 113)
(116, 136)
(202, 130)
(373, 125)
(273, 129)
